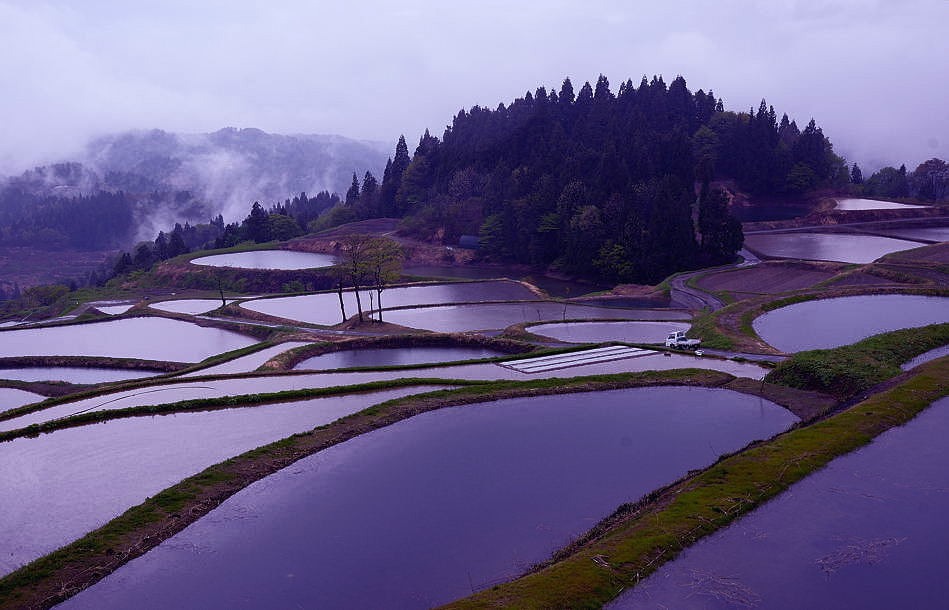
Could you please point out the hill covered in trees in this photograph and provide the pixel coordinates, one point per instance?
(597, 183)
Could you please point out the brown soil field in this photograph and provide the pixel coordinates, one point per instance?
(937, 253)
(859, 278)
(768, 278)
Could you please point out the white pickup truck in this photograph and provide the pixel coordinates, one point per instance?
(677, 340)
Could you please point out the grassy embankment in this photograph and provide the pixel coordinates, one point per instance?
(49, 580)
(639, 537)
(846, 371)
(79, 392)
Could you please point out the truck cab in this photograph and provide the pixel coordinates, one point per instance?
(677, 340)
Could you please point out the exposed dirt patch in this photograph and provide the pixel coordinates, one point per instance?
(937, 253)
(416, 252)
(768, 278)
(806, 405)
(859, 278)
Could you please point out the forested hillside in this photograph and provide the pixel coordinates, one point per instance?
(594, 182)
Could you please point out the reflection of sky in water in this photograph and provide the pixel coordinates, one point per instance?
(867, 531)
(872, 204)
(394, 356)
(598, 332)
(827, 323)
(79, 478)
(188, 306)
(185, 390)
(145, 338)
(420, 512)
(73, 374)
(268, 259)
(826, 247)
(11, 398)
(498, 316)
(324, 308)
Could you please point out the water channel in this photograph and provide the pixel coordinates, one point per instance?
(423, 511)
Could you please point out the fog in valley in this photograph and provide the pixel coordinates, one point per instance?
(871, 72)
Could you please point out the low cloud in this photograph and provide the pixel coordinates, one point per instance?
(871, 73)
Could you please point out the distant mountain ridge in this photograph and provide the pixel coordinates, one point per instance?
(231, 168)
(169, 177)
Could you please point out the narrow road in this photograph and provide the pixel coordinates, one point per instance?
(693, 298)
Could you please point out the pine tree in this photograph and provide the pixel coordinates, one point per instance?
(352, 195)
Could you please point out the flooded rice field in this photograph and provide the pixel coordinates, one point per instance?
(250, 362)
(873, 204)
(431, 508)
(145, 338)
(867, 531)
(599, 332)
(268, 259)
(186, 390)
(553, 286)
(74, 374)
(189, 306)
(324, 308)
(827, 323)
(826, 247)
(114, 310)
(400, 356)
(11, 398)
(450, 318)
(79, 478)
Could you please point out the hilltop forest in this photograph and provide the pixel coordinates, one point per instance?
(597, 183)
(620, 187)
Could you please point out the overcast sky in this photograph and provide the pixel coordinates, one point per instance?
(875, 74)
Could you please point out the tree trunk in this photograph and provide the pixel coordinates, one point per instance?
(379, 301)
(342, 305)
(358, 302)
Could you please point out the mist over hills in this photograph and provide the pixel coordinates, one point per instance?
(193, 177)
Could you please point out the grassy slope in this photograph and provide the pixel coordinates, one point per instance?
(846, 371)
